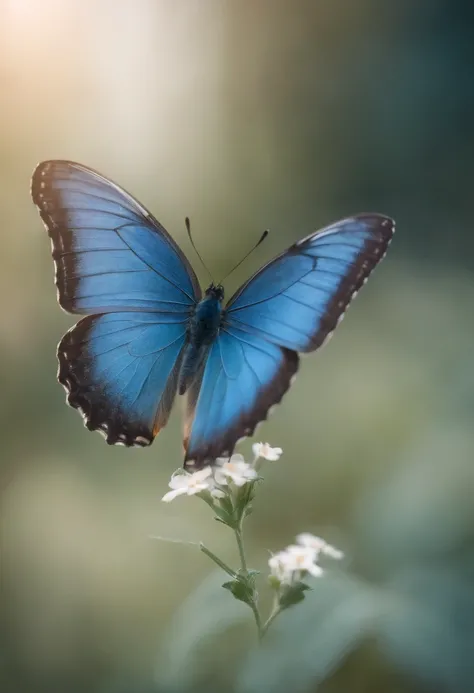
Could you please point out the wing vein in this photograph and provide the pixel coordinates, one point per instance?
(229, 308)
(281, 322)
(191, 298)
(244, 341)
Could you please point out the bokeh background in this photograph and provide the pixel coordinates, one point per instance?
(247, 115)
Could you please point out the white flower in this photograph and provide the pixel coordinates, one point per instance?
(190, 484)
(297, 560)
(279, 567)
(235, 469)
(266, 451)
(318, 545)
(291, 564)
(302, 559)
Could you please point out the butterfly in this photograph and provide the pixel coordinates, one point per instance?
(149, 332)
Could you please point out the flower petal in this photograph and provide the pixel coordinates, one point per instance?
(202, 474)
(314, 570)
(311, 541)
(219, 477)
(179, 481)
(197, 488)
(332, 552)
(171, 495)
(307, 551)
(266, 451)
(319, 545)
(237, 470)
(279, 567)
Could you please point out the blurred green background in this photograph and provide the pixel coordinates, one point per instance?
(246, 115)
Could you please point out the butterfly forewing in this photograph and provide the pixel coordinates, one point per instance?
(110, 253)
(298, 298)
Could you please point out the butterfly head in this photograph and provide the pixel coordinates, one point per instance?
(216, 291)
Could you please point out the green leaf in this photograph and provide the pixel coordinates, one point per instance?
(227, 505)
(223, 508)
(244, 497)
(224, 522)
(242, 588)
(223, 516)
(225, 512)
(293, 594)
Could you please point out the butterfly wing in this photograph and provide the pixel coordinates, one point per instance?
(243, 376)
(291, 305)
(116, 264)
(110, 253)
(297, 300)
(120, 370)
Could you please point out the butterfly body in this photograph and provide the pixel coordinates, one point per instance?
(149, 333)
(202, 330)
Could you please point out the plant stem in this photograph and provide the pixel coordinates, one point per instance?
(258, 620)
(273, 614)
(239, 535)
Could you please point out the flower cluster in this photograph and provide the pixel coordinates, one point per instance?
(234, 470)
(229, 488)
(298, 560)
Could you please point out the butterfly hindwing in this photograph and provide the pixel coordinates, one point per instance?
(243, 377)
(120, 371)
(118, 265)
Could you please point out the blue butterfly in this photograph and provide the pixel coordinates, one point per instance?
(150, 333)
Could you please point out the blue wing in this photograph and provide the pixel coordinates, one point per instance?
(291, 305)
(297, 300)
(120, 370)
(118, 265)
(111, 254)
(244, 375)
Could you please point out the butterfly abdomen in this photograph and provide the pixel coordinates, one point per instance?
(203, 329)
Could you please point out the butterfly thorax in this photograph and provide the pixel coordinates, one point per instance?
(203, 328)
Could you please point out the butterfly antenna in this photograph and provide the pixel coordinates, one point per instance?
(188, 229)
(262, 238)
